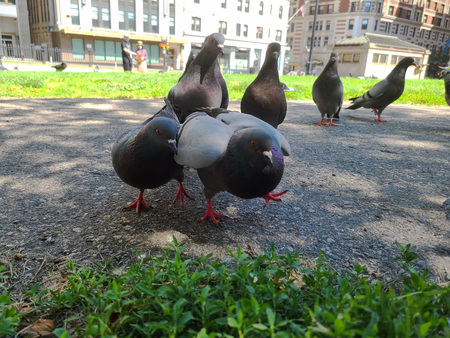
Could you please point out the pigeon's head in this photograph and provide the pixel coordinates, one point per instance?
(256, 146)
(334, 56)
(273, 50)
(406, 62)
(163, 131)
(215, 41)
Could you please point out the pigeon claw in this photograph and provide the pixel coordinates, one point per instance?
(321, 123)
(211, 214)
(380, 120)
(181, 192)
(331, 123)
(272, 197)
(138, 203)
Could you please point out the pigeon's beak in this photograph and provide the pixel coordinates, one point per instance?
(275, 55)
(173, 145)
(268, 155)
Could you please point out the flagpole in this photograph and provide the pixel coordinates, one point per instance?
(312, 38)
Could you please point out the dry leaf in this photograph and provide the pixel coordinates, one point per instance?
(42, 328)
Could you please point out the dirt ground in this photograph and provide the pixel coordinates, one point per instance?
(354, 190)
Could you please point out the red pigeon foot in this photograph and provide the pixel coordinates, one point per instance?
(211, 213)
(273, 197)
(181, 193)
(331, 123)
(138, 203)
(321, 123)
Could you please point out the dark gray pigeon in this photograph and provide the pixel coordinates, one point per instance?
(445, 74)
(264, 97)
(386, 91)
(143, 157)
(60, 67)
(328, 91)
(198, 86)
(233, 152)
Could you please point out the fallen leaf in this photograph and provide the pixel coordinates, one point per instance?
(42, 328)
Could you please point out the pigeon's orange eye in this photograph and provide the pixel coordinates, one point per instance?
(211, 40)
(158, 131)
(253, 143)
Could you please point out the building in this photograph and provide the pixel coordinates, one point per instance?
(14, 27)
(92, 29)
(421, 22)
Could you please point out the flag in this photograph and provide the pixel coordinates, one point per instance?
(302, 9)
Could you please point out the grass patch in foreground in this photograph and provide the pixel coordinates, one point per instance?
(268, 296)
(121, 85)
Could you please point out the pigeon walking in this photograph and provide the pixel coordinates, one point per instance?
(445, 74)
(328, 91)
(386, 91)
(143, 157)
(60, 67)
(233, 152)
(198, 86)
(264, 97)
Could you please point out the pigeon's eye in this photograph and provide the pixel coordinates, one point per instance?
(158, 131)
(211, 40)
(253, 143)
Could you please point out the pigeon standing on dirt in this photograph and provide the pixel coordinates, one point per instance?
(386, 91)
(60, 67)
(328, 91)
(233, 152)
(445, 74)
(264, 97)
(143, 157)
(198, 86)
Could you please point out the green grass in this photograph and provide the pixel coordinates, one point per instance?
(19, 84)
(268, 296)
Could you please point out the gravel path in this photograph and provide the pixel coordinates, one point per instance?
(354, 190)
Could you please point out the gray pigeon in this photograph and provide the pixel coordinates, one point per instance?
(328, 91)
(445, 74)
(386, 91)
(198, 86)
(264, 97)
(143, 157)
(233, 152)
(60, 67)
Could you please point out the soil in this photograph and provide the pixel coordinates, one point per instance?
(354, 190)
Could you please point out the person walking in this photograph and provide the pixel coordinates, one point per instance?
(141, 58)
(127, 62)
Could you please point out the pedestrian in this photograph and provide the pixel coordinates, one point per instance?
(141, 58)
(127, 62)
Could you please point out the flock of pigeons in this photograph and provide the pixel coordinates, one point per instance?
(238, 152)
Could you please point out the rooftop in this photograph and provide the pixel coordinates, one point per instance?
(380, 41)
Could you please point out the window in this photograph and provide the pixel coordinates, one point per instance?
(239, 6)
(146, 23)
(351, 23)
(154, 54)
(387, 27)
(391, 10)
(327, 25)
(330, 9)
(396, 28)
(435, 6)
(375, 25)
(319, 25)
(439, 22)
(317, 41)
(196, 24)
(399, 12)
(238, 29)
(259, 32)
(121, 19)
(408, 15)
(77, 49)
(245, 31)
(405, 30)
(356, 58)
(367, 6)
(261, 8)
(379, 59)
(106, 22)
(321, 9)
(293, 26)
(154, 22)
(171, 25)
(222, 27)
(442, 8)
(224, 4)
(280, 12)
(75, 13)
(425, 18)
(347, 58)
(418, 16)
(107, 50)
(353, 7)
(427, 4)
(364, 23)
(379, 6)
(94, 13)
(395, 59)
(413, 34)
(325, 41)
(247, 6)
(131, 21)
(310, 26)
(278, 37)
(312, 10)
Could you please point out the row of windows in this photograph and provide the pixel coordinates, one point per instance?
(418, 16)
(196, 25)
(244, 5)
(382, 59)
(414, 33)
(318, 41)
(364, 7)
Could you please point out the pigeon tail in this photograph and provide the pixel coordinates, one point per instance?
(181, 192)
(272, 197)
(138, 203)
(211, 213)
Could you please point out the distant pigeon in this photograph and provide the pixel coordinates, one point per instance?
(60, 67)
(445, 74)
(233, 152)
(143, 157)
(386, 91)
(198, 86)
(328, 91)
(264, 97)
(97, 68)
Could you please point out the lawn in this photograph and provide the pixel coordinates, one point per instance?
(119, 85)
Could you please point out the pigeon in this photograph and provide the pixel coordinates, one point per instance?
(445, 74)
(233, 152)
(198, 86)
(143, 157)
(97, 68)
(386, 91)
(328, 91)
(286, 88)
(60, 67)
(264, 97)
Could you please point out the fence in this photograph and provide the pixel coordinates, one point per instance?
(44, 54)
